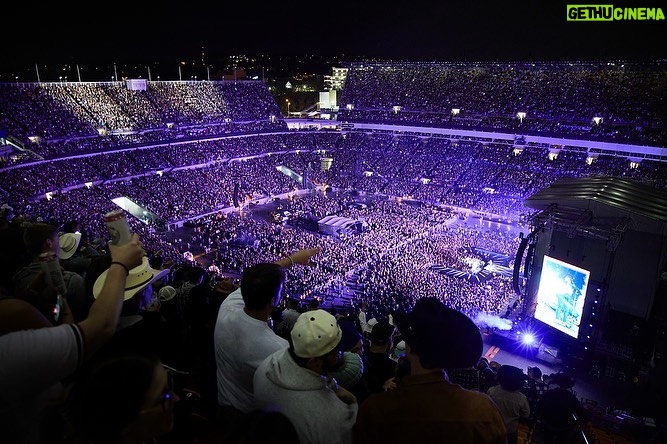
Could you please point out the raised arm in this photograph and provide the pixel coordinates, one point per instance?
(301, 257)
(102, 320)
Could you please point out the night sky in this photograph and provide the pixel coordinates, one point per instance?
(435, 30)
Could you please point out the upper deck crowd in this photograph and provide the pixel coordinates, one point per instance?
(560, 99)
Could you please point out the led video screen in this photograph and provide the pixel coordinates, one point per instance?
(561, 294)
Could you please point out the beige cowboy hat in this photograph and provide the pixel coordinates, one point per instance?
(137, 280)
(69, 242)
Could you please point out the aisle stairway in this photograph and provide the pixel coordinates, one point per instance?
(345, 295)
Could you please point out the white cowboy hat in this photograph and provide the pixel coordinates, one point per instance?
(69, 242)
(137, 280)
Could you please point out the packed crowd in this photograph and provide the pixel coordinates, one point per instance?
(139, 338)
(130, 348)
(488, 177)
(76, 118)
(558, 98)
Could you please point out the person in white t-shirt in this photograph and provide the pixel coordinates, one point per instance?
(242, 336)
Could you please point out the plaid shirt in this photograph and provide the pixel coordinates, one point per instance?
(468, 378)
